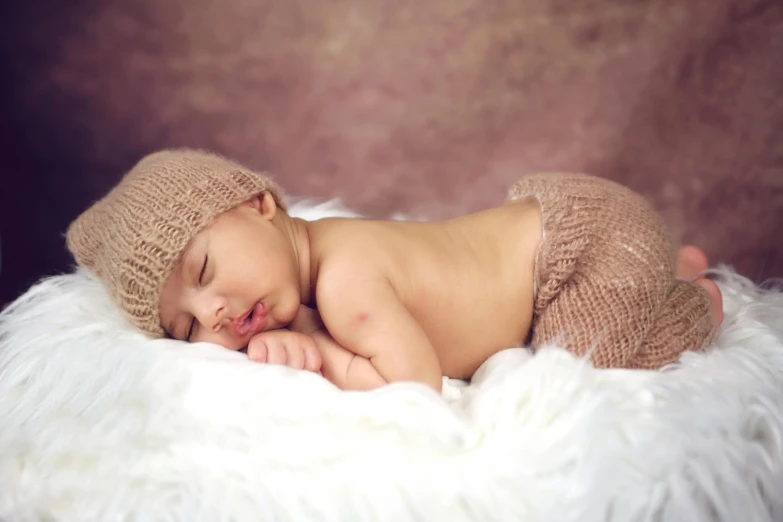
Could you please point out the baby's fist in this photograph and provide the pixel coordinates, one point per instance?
(293, 349)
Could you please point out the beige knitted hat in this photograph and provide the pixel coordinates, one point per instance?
(133, 238)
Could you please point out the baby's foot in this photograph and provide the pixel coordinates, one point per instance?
(691, 264)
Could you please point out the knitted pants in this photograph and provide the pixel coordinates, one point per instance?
(605, 276)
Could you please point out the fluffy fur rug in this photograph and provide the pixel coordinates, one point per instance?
(98, 423)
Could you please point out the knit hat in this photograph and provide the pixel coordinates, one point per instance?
(133, 238)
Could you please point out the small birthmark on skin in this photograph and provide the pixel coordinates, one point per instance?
(361, 317)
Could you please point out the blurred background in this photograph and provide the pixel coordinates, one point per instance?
(426, 107)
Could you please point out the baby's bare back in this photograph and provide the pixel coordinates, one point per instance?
(468, 282)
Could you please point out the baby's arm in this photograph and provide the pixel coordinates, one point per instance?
(364, 314)
(346, 369)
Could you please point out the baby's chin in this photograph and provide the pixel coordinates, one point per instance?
(238, 345)
(280, 316)
(232, 342)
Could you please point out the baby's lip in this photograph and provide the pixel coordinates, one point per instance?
(244, 325)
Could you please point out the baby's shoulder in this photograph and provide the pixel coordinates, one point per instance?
(348, 252)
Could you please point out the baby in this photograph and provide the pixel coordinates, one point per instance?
(199, 248)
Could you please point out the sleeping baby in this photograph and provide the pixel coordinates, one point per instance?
(196, 247)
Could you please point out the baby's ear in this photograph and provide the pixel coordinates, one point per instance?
(267, 205)
(264, 204)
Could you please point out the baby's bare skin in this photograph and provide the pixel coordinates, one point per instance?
(399, 300)
(399, 293)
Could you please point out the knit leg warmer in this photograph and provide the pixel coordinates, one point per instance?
(604, 277)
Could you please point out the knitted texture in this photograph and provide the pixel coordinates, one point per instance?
(133, 238)
(605, 276)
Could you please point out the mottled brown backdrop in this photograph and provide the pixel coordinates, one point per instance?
(429, 107)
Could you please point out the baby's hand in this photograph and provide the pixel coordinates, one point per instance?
(293, 349)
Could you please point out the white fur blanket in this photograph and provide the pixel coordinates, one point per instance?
(98, 423)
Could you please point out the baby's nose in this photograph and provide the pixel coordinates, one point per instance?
(220, 314)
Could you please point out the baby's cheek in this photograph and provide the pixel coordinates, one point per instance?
(285, 312)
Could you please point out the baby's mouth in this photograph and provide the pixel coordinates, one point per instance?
(251, 322)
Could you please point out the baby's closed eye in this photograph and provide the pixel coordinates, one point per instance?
(200, 283)
(203, 270)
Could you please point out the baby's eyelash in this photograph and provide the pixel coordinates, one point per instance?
(200, 279)
(203, 269)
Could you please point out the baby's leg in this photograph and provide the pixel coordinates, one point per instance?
(684, 321)
(605, 282)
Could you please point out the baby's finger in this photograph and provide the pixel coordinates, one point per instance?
(312, 357)
(296, 356)
(257, 351)
(277, 352)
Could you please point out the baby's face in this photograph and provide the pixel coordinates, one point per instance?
(237, 278)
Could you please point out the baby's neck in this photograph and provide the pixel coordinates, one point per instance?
(299, 236)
